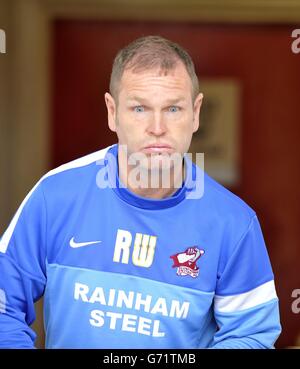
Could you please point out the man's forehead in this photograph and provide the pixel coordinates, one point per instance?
(140, 83)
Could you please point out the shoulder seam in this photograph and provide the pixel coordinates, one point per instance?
(245, 233)
(237, 200)
(241, 238)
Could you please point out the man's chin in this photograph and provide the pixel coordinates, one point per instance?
(157, 162)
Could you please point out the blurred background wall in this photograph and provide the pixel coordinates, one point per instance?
(4, 123)
(56, 70)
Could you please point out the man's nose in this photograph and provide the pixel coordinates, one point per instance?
(157, 126)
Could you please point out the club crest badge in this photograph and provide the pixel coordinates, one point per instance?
(186, 262)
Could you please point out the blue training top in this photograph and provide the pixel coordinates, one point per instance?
(122, 271)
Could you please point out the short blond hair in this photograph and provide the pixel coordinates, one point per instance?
(151, 52)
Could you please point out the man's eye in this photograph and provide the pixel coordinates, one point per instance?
(139, 109)
(173, 109)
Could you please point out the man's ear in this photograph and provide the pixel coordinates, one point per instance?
(111, 111)
(197, 107)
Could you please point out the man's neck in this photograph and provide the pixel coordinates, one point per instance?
(153, 186)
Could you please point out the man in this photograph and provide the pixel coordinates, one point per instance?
(123, 260)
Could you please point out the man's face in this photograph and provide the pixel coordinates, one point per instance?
(155, 113)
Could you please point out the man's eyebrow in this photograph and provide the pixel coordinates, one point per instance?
(137, 98)
(145, 101)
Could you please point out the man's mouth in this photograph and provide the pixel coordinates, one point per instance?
(157, 149)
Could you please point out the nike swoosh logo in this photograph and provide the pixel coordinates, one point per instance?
(76, 245)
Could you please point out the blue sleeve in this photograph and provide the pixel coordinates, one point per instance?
(22, 271)
(246, 305)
